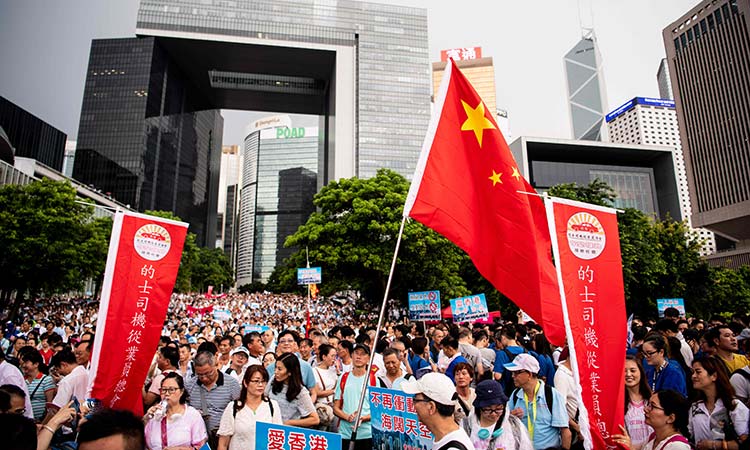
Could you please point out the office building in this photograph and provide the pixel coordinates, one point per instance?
(650, 121)
(69, 159)
(30, 136)
(279, 180)
(229, 179)
(663, 80)
(478, 70)
(707, 52)
(642, 176)
(587, 97)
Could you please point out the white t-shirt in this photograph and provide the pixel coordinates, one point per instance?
(242, 427)
(741, 384)
(458, 435)
(565, 383)
(329, 379)
(75, 383)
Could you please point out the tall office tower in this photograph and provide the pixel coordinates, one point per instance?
(279, 180)
(707, 51)
(479, 71)
(69, 160)
(229, 179)
(146, 137)
(587, 97)
(30, 136)
(650, 121)
(662, 78)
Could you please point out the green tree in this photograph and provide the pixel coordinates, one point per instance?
(211, 268)
(50, 242)
(189, 255)
(729, 291)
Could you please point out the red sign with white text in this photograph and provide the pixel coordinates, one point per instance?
(144, 256)
(461, 54)
(591, 267)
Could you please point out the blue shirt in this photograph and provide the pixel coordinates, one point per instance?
(308, 376)
(501, 358)
(546, 424)
(671, 377)
(418, 365)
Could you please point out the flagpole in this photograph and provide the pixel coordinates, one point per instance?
(307, 325)
(356, 424)
(583, 416)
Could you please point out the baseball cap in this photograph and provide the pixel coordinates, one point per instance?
(524, 361)
(240, 349)
(436, 386)
(489, 392)
(361, 347)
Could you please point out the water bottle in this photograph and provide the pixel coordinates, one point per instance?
(161, 410)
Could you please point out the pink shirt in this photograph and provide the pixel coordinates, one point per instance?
(186, 430)
(635, 423)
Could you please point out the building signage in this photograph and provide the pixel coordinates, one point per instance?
(286, 133)
(660, 102)
(461, 54)
(270, 122)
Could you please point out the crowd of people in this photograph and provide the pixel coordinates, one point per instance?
(224, 364)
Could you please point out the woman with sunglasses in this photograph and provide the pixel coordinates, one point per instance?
(718, 421)
(490, 426)
(667, 413)
(238, 423)
(661, 372)
(637, 394)
(172, 423)
(295, 403)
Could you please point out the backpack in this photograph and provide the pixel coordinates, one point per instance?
(507, 378)
(548, 397)
(238, 406)
(345, 376)
(453, 445)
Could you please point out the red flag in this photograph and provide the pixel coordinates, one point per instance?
(466, 187)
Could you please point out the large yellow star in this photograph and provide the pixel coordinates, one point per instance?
(516, 174)
(476, 121)
(496, 178)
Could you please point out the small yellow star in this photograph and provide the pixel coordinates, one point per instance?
(476, 120)
(496, 178)
(516, 174)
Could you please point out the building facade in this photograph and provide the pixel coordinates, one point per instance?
(30, 136)
(479, 71)
(663, 80)
(229, 180)
(649, 121)
(587, 96)
(707, 52)
(279, 180)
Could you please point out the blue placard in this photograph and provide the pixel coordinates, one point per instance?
(277, 437)
(222, 314)
(469, 309)
(424, 305)
(394, 421)
(309, 275)
(663, 303)
(259, 328)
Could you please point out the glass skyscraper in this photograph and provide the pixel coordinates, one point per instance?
(586, 93)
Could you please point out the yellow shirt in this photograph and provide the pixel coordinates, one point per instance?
(737, 362)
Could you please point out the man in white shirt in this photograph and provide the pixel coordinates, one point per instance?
(75, 380)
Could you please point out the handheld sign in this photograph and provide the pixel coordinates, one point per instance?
(309, 275)
(468, 309)
(281, 437)
(663, 303)
(424, 306)
(394, 421)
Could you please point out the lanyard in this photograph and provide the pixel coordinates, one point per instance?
(529, 423)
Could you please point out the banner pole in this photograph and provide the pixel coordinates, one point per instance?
(356, 424)
(583, 418)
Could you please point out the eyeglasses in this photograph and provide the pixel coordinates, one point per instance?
(518, 372)
(650, 354)
(204, 375)
(261, 381)
(286, 341)
(168, 390)
(422, 400)
(649, 405)
(498, 410)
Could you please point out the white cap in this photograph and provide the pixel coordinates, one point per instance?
(240, 349)
(524, 361)
(436, 386)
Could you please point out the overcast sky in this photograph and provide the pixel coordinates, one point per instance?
(44, 47)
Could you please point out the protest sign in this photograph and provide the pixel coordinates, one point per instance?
(269, 436)
(424, 305)
(309, 275)
(394, 421)
(469, 309)
(663, 303)
(222, 314)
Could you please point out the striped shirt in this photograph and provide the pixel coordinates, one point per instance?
(37, 388)
(224, 391)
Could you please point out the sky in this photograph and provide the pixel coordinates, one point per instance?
(44, 47)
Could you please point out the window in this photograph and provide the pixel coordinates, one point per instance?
(710, 22)
(703, 26)
(717, 16)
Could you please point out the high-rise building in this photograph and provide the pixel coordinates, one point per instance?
(587, 97)
(662, 78)
(30, 136)
(478, 70)
(70, 157)
(279, 180)
(651, 121)
(707, 52)
(229, 180)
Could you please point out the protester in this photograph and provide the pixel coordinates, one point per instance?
(325, 371)
(661, 372)
(40, 386)
(506, 349)
(347, 398)
(173, 423)
(419, 357)
(465, 394)
(210, 391)
(288, 343)
(240, 418)
(490, 426)
(565, 383)
(268, 359)
(111, 430)
(722, 339)
(434, 395)
(167, 360)
(10, 374)
(717, 419)
(637, 393)
(286, 388)
(539, 406)
(667, 414)
(239, 357)
(75, 378)
(394, 375)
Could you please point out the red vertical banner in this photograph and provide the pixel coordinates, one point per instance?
(142, 264)
(590, 273)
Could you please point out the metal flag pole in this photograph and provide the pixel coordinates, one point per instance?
(365, 383)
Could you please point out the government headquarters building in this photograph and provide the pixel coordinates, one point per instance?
(151, 132)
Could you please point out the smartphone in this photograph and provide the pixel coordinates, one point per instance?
(77, 406)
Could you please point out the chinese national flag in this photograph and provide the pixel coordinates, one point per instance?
(466, 187)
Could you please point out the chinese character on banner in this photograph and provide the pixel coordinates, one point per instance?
(270, 436)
